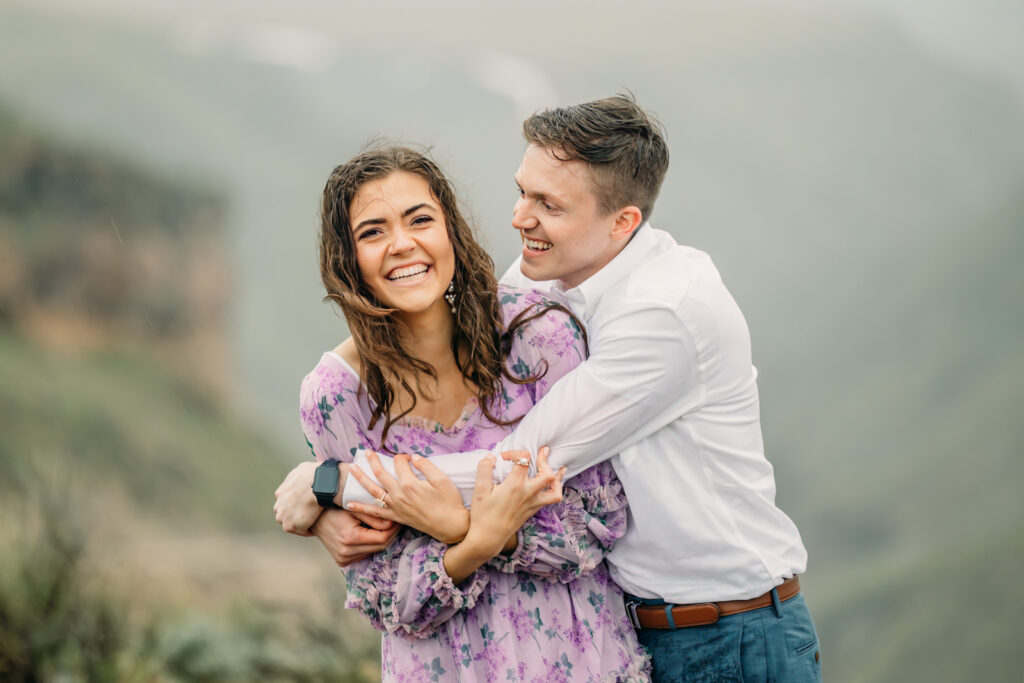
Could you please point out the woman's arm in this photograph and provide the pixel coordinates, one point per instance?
(403, 587)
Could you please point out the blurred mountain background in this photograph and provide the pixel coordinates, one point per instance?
(856, 169)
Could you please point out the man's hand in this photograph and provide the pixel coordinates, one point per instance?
(296, 508)
(347, 540)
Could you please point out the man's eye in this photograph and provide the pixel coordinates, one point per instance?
(548, 207)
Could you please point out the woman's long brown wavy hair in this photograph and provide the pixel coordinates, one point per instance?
(479, 342)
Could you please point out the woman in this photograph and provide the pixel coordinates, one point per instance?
(440, 360)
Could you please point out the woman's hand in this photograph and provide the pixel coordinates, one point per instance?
(432, 505)
(499, 510)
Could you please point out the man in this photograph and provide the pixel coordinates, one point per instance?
(669, 394)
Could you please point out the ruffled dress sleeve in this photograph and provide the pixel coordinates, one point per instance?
(403, 588)
(565, 540)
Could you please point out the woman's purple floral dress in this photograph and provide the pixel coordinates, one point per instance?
(549, 611)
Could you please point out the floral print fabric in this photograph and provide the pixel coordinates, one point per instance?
(547, 612)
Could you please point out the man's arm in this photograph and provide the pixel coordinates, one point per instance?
(642, 374)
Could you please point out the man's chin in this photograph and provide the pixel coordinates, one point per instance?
(533, 273)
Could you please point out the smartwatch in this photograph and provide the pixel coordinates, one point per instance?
(325, 483)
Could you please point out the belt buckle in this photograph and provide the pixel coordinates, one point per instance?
(631, 606)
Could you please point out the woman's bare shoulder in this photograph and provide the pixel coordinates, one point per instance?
(347, 351)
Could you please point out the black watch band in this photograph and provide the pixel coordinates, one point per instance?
(326, 478)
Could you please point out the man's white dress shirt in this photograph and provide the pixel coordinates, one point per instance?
(669, 394)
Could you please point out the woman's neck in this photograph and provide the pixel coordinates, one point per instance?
(429, 340)
(429, 337)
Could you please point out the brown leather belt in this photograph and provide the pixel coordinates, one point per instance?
(704, 613)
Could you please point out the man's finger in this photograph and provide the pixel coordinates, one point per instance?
(373, 521)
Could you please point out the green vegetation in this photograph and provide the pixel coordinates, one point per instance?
(136, 523)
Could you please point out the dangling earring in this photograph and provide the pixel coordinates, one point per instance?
(450, 295)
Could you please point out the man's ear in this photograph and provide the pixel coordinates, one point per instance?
(627, 220)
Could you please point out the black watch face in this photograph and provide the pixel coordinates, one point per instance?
(325, 480)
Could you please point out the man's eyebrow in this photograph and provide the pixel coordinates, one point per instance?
(542, 196)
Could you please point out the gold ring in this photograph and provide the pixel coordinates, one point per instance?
(381, 503)
(525, 462)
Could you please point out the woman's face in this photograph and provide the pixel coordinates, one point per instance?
(402, 247)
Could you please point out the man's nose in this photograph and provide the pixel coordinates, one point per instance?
(522, 217)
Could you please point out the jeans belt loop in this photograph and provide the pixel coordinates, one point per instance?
(776, 604)
(671, 620)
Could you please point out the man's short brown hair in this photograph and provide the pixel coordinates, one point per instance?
(622, 144)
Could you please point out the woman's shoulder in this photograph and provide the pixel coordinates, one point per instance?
(333, 374)
(516, 300)
(542, 329)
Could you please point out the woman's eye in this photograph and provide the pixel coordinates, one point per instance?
(422, 220)
(372, 232)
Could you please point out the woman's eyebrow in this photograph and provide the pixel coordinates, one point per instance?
(368, 221)
(414, 209)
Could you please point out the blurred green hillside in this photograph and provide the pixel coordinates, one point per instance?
(135, 524)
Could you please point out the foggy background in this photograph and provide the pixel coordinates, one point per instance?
(855, 168)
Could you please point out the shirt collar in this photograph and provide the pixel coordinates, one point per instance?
(584, 297)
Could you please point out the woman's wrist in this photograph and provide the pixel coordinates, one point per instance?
(462, 559)
(457, 527)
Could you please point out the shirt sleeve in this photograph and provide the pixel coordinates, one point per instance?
(643, 372)
(404, 587)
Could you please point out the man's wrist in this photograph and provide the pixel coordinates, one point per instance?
(342, 478)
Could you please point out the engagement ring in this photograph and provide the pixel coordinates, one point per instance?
(381, 503)
(525, 462)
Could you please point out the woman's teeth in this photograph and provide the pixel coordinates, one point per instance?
(410, 271)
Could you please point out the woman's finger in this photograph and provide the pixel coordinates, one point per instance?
(484, 475)
(515, 455)
(383, 476)
(368, 483)
(362, 510)
(431, 471)
(542, 459)
(402, 469)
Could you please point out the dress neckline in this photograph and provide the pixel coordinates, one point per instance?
(417, 421)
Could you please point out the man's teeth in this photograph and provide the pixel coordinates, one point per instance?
(401, 273)
(538, 246)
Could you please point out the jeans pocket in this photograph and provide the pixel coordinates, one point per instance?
(806, 646)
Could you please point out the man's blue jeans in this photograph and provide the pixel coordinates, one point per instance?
(752, 646)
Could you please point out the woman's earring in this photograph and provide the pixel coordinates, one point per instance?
(450, 295)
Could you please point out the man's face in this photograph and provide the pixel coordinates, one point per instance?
(565, 236)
